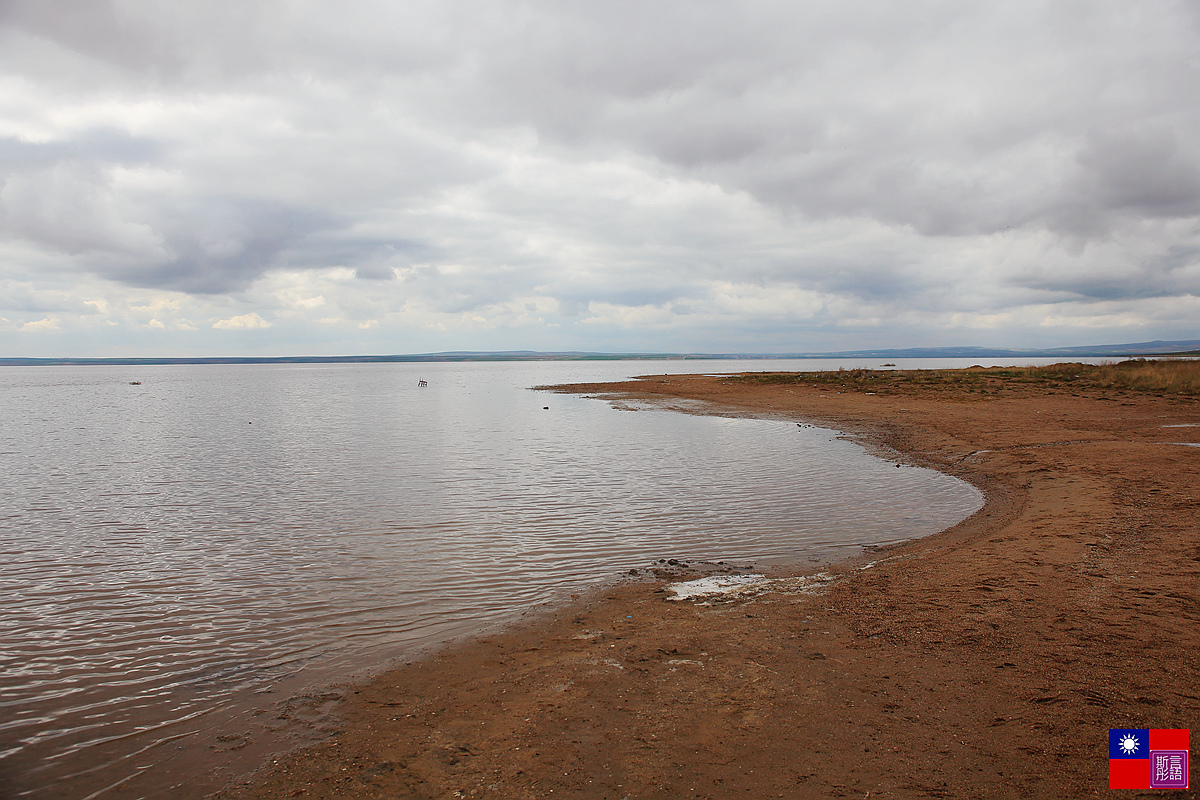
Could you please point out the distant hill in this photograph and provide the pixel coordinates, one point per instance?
(1155, 348)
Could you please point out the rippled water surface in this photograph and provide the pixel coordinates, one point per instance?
(189, 549)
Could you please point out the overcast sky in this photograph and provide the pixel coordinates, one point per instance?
(282, 177)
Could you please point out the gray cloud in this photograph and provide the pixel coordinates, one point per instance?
(778, 166)
(203, 244)
(1145, 173)
(224, 246)
(107, 146)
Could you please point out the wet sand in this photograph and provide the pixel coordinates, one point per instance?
(986, 661)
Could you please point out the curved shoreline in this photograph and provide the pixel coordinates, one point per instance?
(985, 660)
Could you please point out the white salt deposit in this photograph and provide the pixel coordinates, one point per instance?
(714, 585)
(739, 587)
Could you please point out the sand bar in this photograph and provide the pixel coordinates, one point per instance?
(986, 661)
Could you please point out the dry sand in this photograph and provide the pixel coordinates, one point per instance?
(986, 661)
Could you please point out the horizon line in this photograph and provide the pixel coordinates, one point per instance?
(1157, 347)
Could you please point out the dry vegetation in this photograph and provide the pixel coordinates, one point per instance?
(1163, 377)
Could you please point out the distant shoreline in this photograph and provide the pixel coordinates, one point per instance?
(394, 359)
(1155, 349)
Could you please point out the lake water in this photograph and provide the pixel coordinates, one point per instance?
(185, 563)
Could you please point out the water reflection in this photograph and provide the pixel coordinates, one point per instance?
(175, 546)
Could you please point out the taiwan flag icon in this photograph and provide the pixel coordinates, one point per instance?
(1147, 758)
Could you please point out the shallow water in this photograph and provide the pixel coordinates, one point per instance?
(176, 550)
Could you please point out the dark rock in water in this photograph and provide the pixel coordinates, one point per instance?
(635, 572)
(674, 569)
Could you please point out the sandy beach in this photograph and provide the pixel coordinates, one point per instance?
(986, 661)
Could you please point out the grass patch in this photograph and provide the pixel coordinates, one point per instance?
(1160, 376)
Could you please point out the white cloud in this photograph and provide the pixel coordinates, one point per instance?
(43, 324)
(249, 321)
